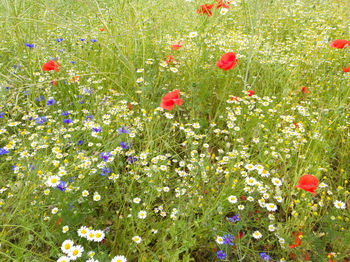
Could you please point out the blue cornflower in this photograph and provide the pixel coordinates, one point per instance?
(228, 239)
(234, 218)
(72, 62)
(65, 113)
(67, 121)
(82, 101)
(105, 171)
(97, 130)
(29, 45)
(105, 156)
(123, 130)
(62, 50)
(93, 40)
(3, 151)
(70, 206)
(2, 114)
(40, 98)
(221, 255)
(59, 40)
(264, 256)
(31, 167)
(80, 142)
(89, 117)
(82, 39)
(132, 160)
(41, 120)
(124, 145)
(62, 186)
(51, 101)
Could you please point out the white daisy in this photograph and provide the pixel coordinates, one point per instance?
(63, 259)
(137, 239)
(67, 246)
(271, 228)
(53, 181)
(97, 197)
(99, 236)
(76, 252)
(339, 204)
(136, 200)
(232, 199)
(83, 231)
(257, 235)
(192, 34)
(65, 229)
(219, 240)
(142, 214)
(271, 207)
(119, 259)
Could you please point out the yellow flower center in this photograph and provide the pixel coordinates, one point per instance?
(75, 252)
(67, 246)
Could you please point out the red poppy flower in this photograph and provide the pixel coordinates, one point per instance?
(339, 43)
(205, 9)
(297, 241)
(170, 99)
(221, 4)
(169, 59)
(102, 29)
(307, 257)
(308, 183)
(51, 65)
(251, 92)
(346, 69)
(240, 235)
(176, 46)
(227, 61)
(59, 221)
(54, 83)
(234, 98)
(305, 90)
(296, 125)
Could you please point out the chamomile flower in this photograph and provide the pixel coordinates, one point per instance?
(91, 235)
(137, 239)
(276, 181)
(75, 252)
(53, 181)
(142, 214)
(63, 259)
(83, 231)
(136, 200)
(232, 199)
(257, 235)
(271, 207)
(85, 193)
(219, 240)
(99, 236)
(54, 210)
(339, 204)
(119, 259)
(67, 246)
(97, 196)
(271, 228)
(65, 229)
(192, 34)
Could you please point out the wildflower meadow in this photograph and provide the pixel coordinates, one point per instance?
(174, 130)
